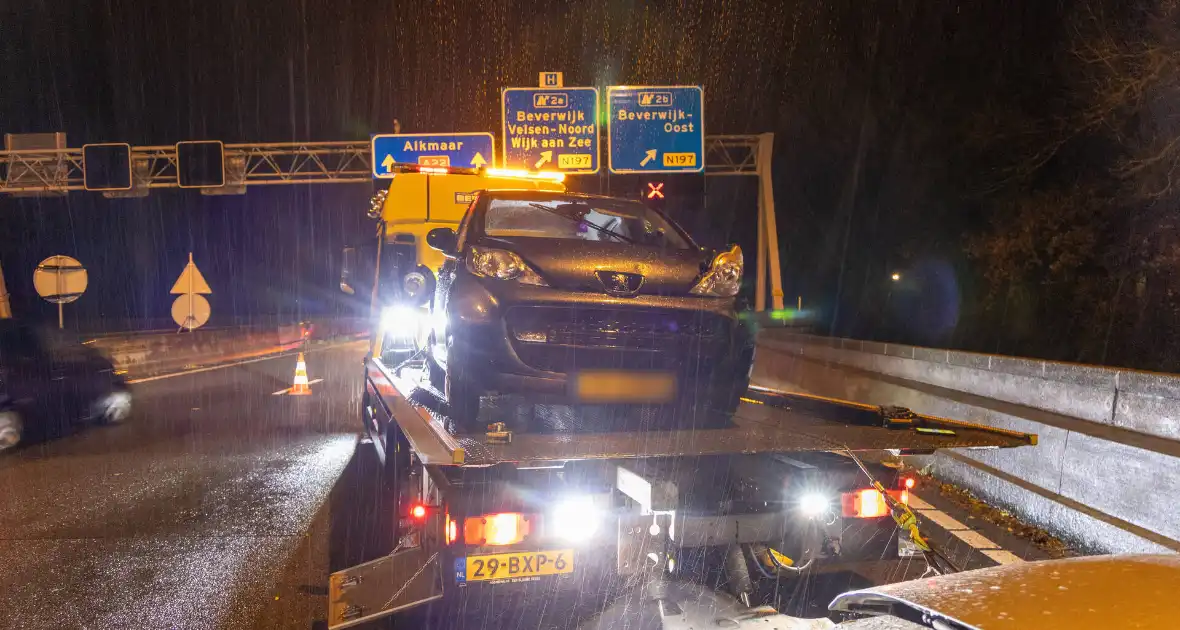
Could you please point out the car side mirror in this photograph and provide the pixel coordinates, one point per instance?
(444, 240)
(348, 261)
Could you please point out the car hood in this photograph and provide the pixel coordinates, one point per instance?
(574, 264)
(1120, 591)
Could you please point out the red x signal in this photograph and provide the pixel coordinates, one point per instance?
(655, 190)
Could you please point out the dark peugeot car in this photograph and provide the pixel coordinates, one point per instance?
(50, 382)
(588, 299)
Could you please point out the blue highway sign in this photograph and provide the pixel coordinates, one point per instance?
(465, 150)
(656, 129)
(551, 129)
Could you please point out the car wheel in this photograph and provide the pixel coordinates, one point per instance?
(11, 430)
(437, 376)
(113, 408)
(462, 399)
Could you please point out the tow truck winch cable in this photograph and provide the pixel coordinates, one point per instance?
(907, 521)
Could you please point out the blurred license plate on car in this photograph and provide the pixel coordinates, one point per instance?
(614, 386)
(514, 567)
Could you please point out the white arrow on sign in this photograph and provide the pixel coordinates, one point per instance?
(546, 156)
(478, 160)
(649, 156)
(388, 163)
(191, 310)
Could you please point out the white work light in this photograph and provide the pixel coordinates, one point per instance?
(813, 504)
(575, 519)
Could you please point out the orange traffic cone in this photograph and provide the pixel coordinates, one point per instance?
(300, 386)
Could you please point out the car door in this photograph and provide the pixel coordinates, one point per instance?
(442, 292)
(81, 382)
(30, 381)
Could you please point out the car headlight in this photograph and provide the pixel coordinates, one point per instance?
(502, 265)
(724, 277)
(401, 321)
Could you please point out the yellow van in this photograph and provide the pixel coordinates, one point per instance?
(402, 267)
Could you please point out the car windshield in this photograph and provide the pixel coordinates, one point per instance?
(581, 218)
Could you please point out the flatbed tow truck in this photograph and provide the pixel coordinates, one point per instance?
(774, 495)
(553, 498)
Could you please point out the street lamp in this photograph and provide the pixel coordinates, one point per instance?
(895, 277)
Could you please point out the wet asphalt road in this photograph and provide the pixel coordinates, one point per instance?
(206, 509)
(221, 505)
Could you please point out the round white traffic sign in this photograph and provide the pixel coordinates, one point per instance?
(190, 311)
(60, 279)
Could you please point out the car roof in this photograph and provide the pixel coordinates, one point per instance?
(503, 192)
(1119, 591)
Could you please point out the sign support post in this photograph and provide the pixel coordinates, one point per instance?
(766, 216)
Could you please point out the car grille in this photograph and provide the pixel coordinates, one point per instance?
(586, 338)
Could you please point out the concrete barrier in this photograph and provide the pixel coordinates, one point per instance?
(158, 352)
(1106, 472)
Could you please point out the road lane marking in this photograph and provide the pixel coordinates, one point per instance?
(976, 540)
(284, 391)
(943, 520)
(1001, 556)
(918, 504)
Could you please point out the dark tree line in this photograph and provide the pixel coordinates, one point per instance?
(1035, 213)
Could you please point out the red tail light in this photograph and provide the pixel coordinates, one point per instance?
(908, 483)
(507, 528)
(418, 511)
(868, 503)
(452, 530)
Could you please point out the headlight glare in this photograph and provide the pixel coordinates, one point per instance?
(401, 321)
(813, 504)
(575, 519)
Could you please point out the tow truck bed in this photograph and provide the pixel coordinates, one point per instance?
(767, 421)
(727, 488)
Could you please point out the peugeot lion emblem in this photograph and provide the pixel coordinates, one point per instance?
(620, 284)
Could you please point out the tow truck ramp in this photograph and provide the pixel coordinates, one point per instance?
(652, 469)
(766, 421)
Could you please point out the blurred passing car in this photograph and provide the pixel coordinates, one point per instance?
(1120, 591)
(50, 382)
(589, 299)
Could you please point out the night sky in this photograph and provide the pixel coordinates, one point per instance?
(887, 82)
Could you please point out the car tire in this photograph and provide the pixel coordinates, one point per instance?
(437, 376)
(727, 396)
(11, 430)
(462, 399)
(727, 399)
(113, 408)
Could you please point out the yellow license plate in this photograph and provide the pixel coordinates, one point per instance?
(680, 159)
(515, 566)
(609, 386)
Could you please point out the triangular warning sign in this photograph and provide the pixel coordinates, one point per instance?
(191, 280)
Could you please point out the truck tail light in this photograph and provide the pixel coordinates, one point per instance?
(868, 503)
(418, 511)
(452, 529)
(507, 528)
